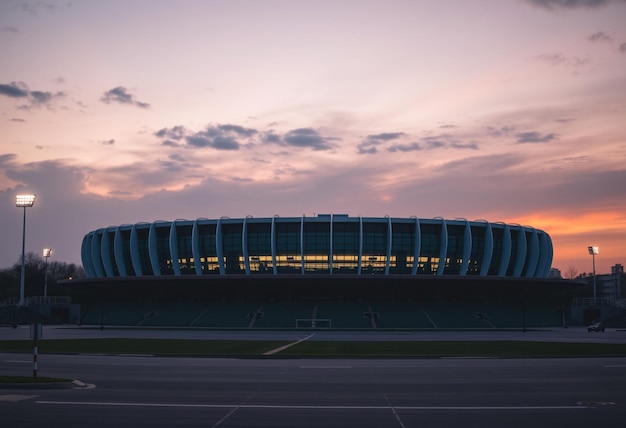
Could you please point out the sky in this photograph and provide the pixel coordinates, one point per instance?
(130, 111)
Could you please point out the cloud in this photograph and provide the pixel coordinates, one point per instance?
(14, 90)
(220, 137)
(553, 5)
(401, 142)
(472, 145)
(19, 90)
(600, 36)
(7, 158)
(174, 133)
(534, 137)
(558, 59)
(369, 145)
(10, 29)
(622, 48)
(108, 142)
(17, 119)
(234, 137)
(122, 96)
(307, 137)
(405, 147)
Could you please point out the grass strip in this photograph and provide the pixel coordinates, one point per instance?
(30, 379)
(247, 348)
(164, 347)
(436, 349)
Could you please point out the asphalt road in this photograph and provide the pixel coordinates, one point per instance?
(214, 392)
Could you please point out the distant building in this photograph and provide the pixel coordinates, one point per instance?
(555, 273)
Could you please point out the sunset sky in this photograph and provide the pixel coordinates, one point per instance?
(118, 112)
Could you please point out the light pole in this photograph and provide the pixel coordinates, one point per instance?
(47, 252)
(593, 251)
(23, 201)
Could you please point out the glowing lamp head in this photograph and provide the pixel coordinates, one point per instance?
(593, 250)
(25, 200)
(47, 252)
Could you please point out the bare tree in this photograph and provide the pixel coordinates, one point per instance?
(572, 272)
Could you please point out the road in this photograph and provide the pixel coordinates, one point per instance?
(227, 393)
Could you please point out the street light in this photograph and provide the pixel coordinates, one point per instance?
(593, 251)
(23, 201)
(47, 252)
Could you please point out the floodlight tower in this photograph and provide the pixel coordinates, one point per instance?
(23, 201)
(593, 251)
(47, 252)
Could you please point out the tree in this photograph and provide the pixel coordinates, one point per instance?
(35, 277)
(572, 272)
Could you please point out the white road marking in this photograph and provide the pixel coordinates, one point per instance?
(289, 345)
(16, 397)
(325, 367)
(304, 407)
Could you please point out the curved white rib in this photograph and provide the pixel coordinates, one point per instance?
(153, 250)
(173, 246)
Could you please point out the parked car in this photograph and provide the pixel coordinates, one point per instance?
(596, 326)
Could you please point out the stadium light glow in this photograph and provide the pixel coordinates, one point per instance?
(25, 200)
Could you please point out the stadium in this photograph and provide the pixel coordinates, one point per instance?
(330, 270)
(325, 244)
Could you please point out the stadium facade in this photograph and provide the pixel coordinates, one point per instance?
(327, 244)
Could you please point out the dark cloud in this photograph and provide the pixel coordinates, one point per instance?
(534, 137)
(234, 137)
(272, 138)
(220, 137)
(366, 148)
(174, 133)
(10, 29)
(122, 96)
(213, 137)
(19, 90)
(17, 119)
(307, 137)
(411, 147)
(386, 136)
(239, 130)
(472, 145)
(600, 36)
(435, 142)
(14, 90)
(431, 142)
(369, 145)
(558, 59)
(622, 47)
(501, 131)
(6, 158)
(553, 5)
(108, 142)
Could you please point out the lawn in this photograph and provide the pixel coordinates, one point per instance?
(240, 348)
